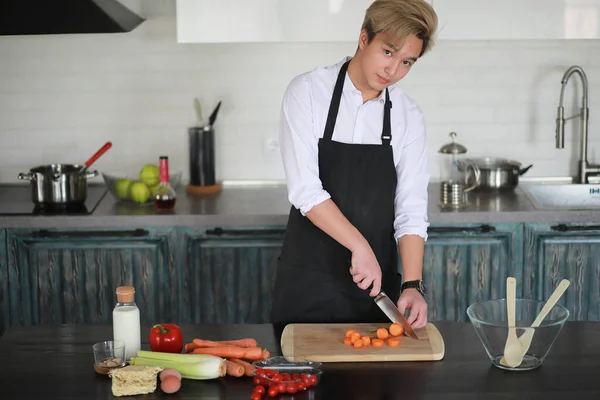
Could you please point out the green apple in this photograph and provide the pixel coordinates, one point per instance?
(139, 192)
(150, 174)
(122, 187)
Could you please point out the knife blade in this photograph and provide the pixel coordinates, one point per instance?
(393, 313)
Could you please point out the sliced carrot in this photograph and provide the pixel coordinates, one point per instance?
(350, 332)
(355, 335)
(248, 368)
(366, 340)
(393, 342)
(355, 339)
(348, 341)
(358, 344)
(246, 342)
(396, 329)
(377, 342)
(382, 333)
(234, 369)
(252, 354)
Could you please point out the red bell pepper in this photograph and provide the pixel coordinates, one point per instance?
(166, 338)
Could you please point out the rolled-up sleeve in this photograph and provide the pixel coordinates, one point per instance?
(413, 178)
(299, 147)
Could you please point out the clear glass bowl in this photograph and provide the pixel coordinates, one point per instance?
(489, 318)
(129, 185)
(292, 370)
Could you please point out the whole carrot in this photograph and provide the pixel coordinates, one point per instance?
(248, 368)
(253, 354)
(246, 342)
(234, 369)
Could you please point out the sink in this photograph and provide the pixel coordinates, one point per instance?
(564, 196)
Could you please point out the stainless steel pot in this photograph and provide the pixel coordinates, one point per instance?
(58, 184)
(498, 173)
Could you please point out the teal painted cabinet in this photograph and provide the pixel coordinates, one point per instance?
(71, 276)
(469, 263)
(4, 305)
(564, 251)
(228, 274)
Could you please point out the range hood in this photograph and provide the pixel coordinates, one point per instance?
(50, 17)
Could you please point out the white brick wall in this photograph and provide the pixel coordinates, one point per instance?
(62, 97)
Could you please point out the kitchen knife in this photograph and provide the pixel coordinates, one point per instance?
(393, 313)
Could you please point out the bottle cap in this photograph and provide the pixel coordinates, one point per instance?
(125, 294)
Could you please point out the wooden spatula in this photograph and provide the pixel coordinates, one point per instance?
(512, 349)
(527, 337)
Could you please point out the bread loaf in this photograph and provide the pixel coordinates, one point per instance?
(133, 379)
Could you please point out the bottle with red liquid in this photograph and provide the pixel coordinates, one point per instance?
(164, 198)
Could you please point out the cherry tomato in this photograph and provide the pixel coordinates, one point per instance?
(306, 381)
(270, 372)
(255, 396)
(260, 371)
(273, 391)
(259, 389)
(282, 387)
(286, 376)
(257, 381)
(277, 378)
(295, 376)
(301, 386)
(292, 388)
(313, 380)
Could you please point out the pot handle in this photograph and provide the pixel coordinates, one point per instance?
(91, 174)
(26, 176)
(522, 171)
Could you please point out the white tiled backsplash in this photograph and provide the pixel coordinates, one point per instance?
(63, 97)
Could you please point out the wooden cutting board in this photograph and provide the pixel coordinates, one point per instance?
(325, 343)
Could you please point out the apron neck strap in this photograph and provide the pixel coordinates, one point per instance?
(386, 134)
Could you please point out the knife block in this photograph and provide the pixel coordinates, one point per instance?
(201, 142)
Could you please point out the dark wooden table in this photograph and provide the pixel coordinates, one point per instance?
(56, 362)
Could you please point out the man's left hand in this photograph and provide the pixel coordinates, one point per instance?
(413, 300)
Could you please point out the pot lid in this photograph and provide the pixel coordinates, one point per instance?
(453, 148)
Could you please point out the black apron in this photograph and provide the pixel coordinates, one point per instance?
(313, 283)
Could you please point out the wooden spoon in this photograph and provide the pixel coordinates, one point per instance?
(512, 349)
(527, 337)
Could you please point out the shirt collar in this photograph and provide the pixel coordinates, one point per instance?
(349, 85)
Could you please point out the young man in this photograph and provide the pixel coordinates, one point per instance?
(355, 156)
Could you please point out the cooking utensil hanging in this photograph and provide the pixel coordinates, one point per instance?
(97, 155)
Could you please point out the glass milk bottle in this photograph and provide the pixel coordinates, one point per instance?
(126, 321)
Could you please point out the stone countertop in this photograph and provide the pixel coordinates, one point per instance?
(262, 205)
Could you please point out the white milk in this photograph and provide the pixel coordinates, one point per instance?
(126, 328)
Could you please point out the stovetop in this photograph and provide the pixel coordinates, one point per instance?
(17, 200)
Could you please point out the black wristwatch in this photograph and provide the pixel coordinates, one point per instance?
(419, 285)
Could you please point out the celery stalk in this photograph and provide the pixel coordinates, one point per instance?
(178, 357)
(208, 369)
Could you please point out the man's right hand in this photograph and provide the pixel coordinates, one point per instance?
(365, 269)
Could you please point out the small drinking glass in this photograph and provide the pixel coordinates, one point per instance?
(109, 354)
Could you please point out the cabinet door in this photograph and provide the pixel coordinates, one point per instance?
(469, 263)
(517, 19)
(71, 276)
(228, 274)
(4, 307)
(561, 251)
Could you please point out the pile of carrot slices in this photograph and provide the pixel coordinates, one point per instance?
(384, 336)
(238, 354)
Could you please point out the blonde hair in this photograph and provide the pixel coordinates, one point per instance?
(401, 18)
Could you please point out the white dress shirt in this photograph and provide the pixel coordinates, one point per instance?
(303, 117)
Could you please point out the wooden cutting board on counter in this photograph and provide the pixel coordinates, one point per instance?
(325, 343)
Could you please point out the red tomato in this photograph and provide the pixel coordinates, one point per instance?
(306, 381)
(259, 389)
(273, 391)
(292, 388)
(286, 376)
(301, 386)
(313, 380)
(257, 381)
(270, 372)
(282, 387)
(277, 378)
(255, 396)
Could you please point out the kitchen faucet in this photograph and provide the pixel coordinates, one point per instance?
(584, 168)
